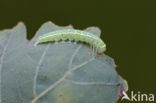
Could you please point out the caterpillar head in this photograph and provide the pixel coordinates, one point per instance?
(101, 49)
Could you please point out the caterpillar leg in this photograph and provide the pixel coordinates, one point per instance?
(75, 42)
(93, 51)
(56, 42)
(89, 50)
(62, 41)
(96, 54)
(69, 42)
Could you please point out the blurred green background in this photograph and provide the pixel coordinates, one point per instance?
(128, 28)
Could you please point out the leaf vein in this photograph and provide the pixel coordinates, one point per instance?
(60, 81)
(37, 69)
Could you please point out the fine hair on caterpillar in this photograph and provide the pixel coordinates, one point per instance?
(74, 36)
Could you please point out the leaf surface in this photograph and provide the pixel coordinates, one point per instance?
(54, 73)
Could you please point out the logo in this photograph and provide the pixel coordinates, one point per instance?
(141, 97)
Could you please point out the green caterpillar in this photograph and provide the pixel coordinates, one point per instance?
(74, 35)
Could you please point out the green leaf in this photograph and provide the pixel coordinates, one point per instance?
(54, 73)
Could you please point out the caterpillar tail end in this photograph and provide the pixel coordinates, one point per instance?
(36, 43)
